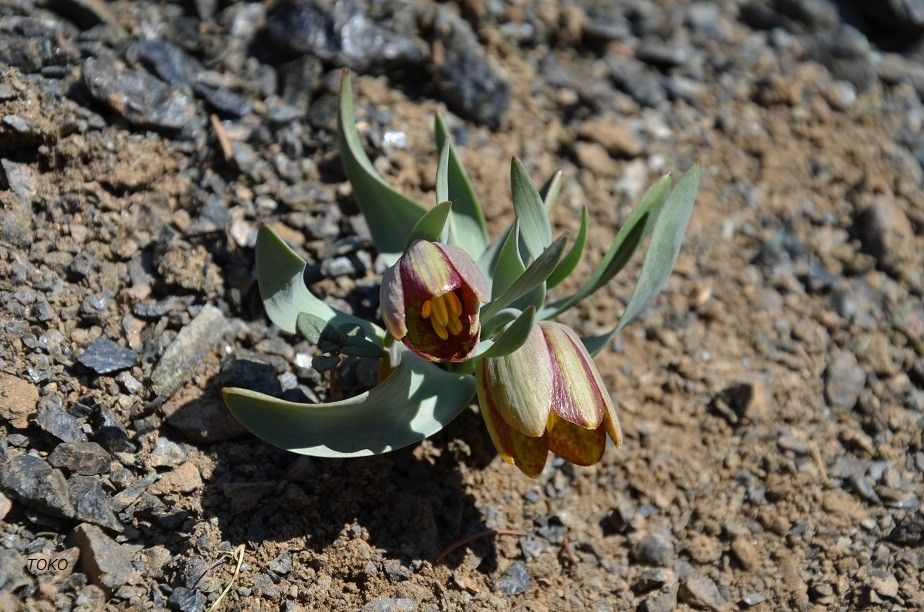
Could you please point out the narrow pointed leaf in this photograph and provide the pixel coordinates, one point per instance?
(535, 230)
(417, 400)
(442, 174)
(281, 278)
(468, 222)
(633, 231)
(390, 215)
(430, 226)
(509, 265)
(666, 240)
(488, 260)
(513, 336)
(550, 192)
(534, 274)
(571, 260)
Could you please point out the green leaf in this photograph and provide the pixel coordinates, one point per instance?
(550, 192)
(281, 278)
(666, 240)
(430, 227)
(468, 222)
(417, 400)
(633, 231)
(389, 214)
(323, 363)
(442, 174)
(570, 261)
(314, 328)
(535, 230)
(512, 338)
(509, 265)
(534, 274)
(488, 260)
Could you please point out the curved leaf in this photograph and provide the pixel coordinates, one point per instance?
(508, 265)
(390, 215)
(534, 275)
(513, 336)
(570, 261)
(442, 174)
(468, 222)
(633, 231)
(666, 239)
(535, 230)
(550, 192)
(431, 225)
(417, 400)
(281, 278)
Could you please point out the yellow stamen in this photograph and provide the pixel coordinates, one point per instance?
(440, 329)
(455, 306)
(455, 325)
(426, 309)
(440, 313)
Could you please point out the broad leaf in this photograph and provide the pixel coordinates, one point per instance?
(430, 226)
(666, 240)
(417, 400)
(535, 230)
(571, 260)
(630, 235)
(534, 275)
(389, 214)
(468, 222)
(281, 278)
(512, 338)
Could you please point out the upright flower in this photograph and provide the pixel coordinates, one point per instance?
(430, 301)
(546, 396)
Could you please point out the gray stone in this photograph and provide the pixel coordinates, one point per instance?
(188, 349)
(701, 592)
(909, 531)
(91, 503)
(81, 457)
(886, 234)
(654, 549)
(12, 571)
(106, 563)
(104, 356)
(183, 599)
(844, 379)
(390, 604)
(53, 419)
(166, 453)
(32, 482)
(281, 564)
(514, 581)
(19, 179)
(250, 374)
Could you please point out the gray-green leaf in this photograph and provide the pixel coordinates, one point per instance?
(513, 336)
(417, 400)
(430, 226)
(571, 260)
(534, 274)
(535, 229)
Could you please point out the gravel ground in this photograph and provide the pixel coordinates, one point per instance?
(772, 398)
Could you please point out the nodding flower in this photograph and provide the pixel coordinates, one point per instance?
(546, 396)
(430, 300)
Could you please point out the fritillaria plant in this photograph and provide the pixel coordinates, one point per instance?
(462, 316)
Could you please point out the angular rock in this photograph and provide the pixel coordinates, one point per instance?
(166, 453)
(204, 420)
(106, 563)
(91, 503)
(250, 374)
(188, 349)
(886, 234)
(909, 531)
(514, 581)
(136, 96)
(390, 604)
(12, 571)
(654, 549)
(84, 13)
(183, 599)
(468, 83)
(19, 179)
(18, 400)
(81, 457)
(170, 62)
(701, 592)
(844, 379)
(32, 482)
(104, 356)
(55, 420)
(183, 479)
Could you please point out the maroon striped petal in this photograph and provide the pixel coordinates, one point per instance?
(391, 301)
(578, 394)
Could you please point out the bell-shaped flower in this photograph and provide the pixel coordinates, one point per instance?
(430, 301)
(546, 396)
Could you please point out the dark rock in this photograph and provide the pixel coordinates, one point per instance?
(53, 419)
(894, 20)
(799, 16)
(110, 433)
(139, 98)
(84, 13)
(844, 379)
(224, 102)
(741, 401)
(205, 420)
(469, 85)
(909, 531)
(654, 578)
(21, 52)
(847, 54)
(514, 581)
(188, 349)
(19, 179)
(886, 234)
(91, 503)
(281, 564)
(636, 79)
(654, 549)
(106, 563)
(87, 458)
(32, 482)
(183, 599)
(170, 62)
(250, 374)
(104, 356)
(300, 79)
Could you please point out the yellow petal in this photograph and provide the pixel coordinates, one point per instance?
(573, 443)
